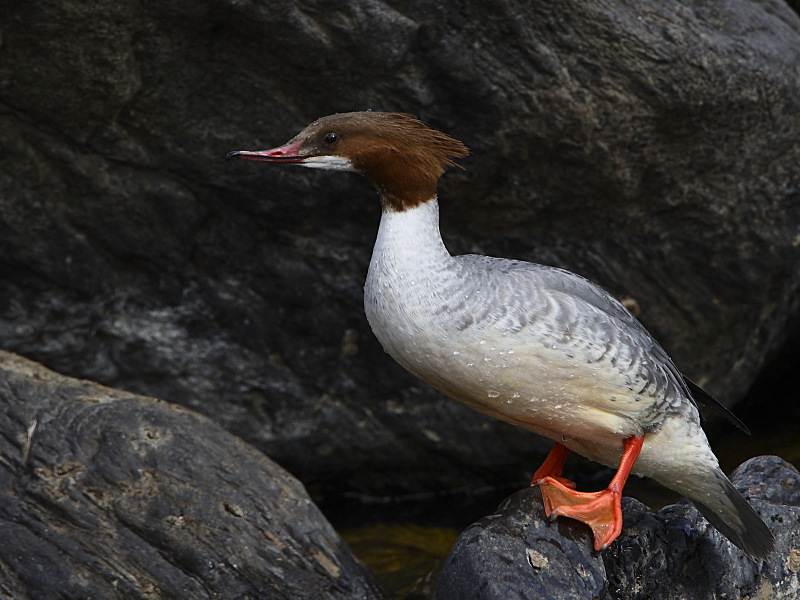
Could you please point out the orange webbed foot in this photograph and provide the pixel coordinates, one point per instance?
(601, 511)
(567, 483)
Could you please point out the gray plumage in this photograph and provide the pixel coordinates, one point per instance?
(550, 351)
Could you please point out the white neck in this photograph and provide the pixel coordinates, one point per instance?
(411, 237)
(408, 268)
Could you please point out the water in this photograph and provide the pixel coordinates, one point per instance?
(406, 558)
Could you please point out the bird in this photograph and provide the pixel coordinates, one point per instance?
(533, 345)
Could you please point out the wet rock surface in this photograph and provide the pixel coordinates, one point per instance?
(110, 495)
(650, 147)
(671, 554)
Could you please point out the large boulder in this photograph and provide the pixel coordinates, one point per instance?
(111, 495)
(651, 147)
(673, 554)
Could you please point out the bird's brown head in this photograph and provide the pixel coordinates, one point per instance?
(397, 152)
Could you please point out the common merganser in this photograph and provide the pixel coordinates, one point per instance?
(529, 344)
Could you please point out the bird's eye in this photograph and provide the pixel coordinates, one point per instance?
(331, 138)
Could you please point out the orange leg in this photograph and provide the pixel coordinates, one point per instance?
(553, 465)
(601, 511)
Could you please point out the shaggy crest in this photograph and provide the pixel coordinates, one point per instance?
(397, 152)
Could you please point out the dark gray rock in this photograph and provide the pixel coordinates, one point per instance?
(111, 495)
(517, 554)
(651, 147)
(673, 554)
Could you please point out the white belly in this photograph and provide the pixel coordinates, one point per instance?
(535, 387)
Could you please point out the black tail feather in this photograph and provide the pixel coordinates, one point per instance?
(706, 399)
(754, 537)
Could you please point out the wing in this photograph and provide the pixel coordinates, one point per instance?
(559, 279)
(584, 305)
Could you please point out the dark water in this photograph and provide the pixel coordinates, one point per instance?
(406, 558)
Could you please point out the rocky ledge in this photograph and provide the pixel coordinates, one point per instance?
(107, 494)
(671, 554)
